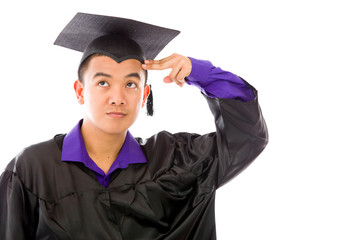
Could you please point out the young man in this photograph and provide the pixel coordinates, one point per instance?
(98, 181)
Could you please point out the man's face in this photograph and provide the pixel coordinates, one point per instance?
(112, 93)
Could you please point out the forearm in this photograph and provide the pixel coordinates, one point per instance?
(217, 83)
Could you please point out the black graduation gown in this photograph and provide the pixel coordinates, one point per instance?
(170, 197)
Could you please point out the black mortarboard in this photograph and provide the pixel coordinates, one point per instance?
(118, 38)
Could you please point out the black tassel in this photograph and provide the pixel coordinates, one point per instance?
(149, 103)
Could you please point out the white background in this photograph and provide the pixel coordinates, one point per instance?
(302, 56)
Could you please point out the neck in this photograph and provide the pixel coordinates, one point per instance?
(102, 147)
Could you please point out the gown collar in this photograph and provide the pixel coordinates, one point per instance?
(74, 151)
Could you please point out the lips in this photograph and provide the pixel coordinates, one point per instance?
(116, 114)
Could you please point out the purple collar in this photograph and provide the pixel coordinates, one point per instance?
(74, 151)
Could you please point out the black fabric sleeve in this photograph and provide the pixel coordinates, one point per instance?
(18, 214)
(214, 158)
(241, 135)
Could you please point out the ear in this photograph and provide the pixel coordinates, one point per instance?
(79, 91)
(146, 94)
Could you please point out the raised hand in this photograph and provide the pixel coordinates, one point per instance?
(180, 65)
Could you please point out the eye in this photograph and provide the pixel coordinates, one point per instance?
(131, 85)
(103, 84)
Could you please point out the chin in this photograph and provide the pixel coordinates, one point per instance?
(116, 128)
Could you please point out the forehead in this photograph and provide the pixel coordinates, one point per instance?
(105, 63)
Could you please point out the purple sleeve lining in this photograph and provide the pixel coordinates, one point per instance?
(217, 83)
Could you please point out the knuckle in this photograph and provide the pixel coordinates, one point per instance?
(179, 78)
(160, 64)
(172, 76)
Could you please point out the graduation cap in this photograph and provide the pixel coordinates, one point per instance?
(118, 38)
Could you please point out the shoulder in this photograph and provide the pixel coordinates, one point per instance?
(35, 159)
(37, 154)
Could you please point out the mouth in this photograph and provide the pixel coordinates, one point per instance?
(116, 114)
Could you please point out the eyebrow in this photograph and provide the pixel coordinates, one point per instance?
(101, 74)
(136, 75)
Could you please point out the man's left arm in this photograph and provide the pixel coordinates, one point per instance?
(241, 132)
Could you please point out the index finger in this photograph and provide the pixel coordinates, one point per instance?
(162, 64)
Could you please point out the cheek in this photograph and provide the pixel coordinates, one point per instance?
(135, 96)
(92, 101)
(88, 97)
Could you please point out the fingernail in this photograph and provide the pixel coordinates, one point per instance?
(146, 61)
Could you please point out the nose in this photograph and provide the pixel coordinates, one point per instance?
(117, 98)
